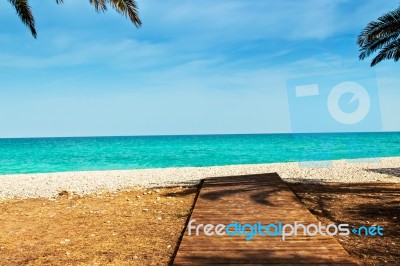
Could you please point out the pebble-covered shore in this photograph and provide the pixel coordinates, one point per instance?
(88, 182)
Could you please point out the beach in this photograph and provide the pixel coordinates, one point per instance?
(384, 170)
(93, 216)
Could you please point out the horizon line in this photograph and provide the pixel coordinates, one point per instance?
(203, 134)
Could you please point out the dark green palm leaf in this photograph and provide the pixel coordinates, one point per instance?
(24, 12)
(391, 51)
(383, 34)
(373, 46)
(99, 5)
(385, 24)
(127, 8)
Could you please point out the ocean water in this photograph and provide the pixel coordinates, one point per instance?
(42, 155)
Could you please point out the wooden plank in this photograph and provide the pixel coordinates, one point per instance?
(250, 199)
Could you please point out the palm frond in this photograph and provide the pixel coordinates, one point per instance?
(99, 5)
(25, 14)
(376, 29)
(369, 48)
(382, 34)
(127, 8)
(391, 51)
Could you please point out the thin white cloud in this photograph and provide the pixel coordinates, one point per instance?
(291, 19)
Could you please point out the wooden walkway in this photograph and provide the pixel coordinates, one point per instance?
(250, 199)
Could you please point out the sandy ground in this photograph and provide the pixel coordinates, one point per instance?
(361, 204)
(143, 226)
(83, 183)
(140, 227)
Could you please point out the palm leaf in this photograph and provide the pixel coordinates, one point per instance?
(390, 51)
(127, 8)
(99, 5)
(24, 12)
(383, 34)
(384, 25)
(369, 48)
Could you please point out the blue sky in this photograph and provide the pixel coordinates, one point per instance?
(194, 67)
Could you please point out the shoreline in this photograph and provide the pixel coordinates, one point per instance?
(49, 185)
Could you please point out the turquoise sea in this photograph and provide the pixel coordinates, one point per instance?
(41, 155)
